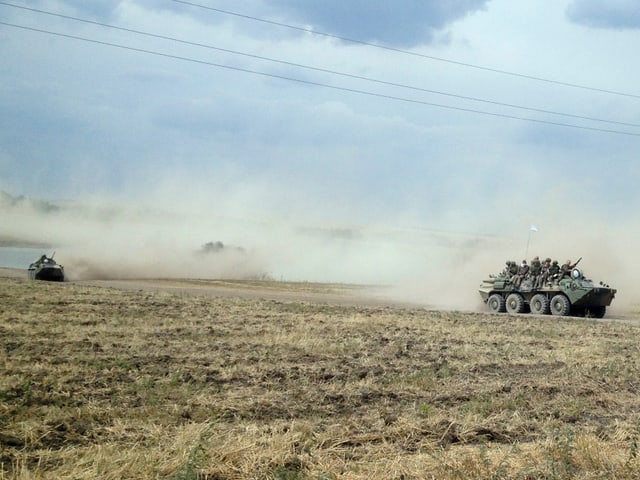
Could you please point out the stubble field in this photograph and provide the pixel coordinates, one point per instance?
(115, 384)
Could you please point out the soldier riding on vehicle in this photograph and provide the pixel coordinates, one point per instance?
(523, 270)
(535, 270)
(565, 270)
(544, 273)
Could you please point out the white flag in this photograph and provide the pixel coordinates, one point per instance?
(534, 228)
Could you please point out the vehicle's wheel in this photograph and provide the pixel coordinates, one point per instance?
(596, 312)
(496, 303)
(539, 304)
(560, 305)
(515, 303)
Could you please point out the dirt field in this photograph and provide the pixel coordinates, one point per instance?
(266, 380)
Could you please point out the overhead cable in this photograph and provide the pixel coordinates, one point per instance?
(317, 84)
(323, 70)
(409, 52)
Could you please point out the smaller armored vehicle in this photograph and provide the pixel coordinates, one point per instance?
(46, 268)
(567, 293)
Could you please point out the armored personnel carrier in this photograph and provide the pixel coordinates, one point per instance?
(46, 268)
(568, 293)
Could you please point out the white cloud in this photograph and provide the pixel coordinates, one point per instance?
(614, 14)
(402, 22)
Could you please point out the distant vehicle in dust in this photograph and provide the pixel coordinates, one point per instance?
(546, 288)
(46, 268)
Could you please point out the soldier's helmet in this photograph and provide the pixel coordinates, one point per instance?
(555, 262)
(547, 259)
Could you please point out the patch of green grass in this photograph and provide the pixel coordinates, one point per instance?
(197, 459)
(559, 455)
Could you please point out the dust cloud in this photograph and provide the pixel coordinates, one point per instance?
(164, 238)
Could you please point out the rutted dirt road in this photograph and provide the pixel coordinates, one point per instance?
(337, 294)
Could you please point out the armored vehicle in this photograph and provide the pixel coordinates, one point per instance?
(46, 268)
(568, 293)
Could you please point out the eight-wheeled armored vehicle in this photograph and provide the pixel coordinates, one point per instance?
(46, 268)
(570, 293)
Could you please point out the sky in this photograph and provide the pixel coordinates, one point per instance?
(470, 118)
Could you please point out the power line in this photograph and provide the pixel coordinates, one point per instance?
(409, 52)
(323, 70)
(317, 84)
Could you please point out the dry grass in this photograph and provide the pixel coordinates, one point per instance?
(110, 384)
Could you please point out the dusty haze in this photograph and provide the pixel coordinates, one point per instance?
(101, 239)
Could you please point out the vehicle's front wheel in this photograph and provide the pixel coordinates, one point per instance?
(496, 303)
(560, 305)
(539, 304)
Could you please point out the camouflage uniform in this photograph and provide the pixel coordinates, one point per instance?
(535, 270)
(565, 269)
(523, 270)
(544, 273)
(554, 270)
(513, 269)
